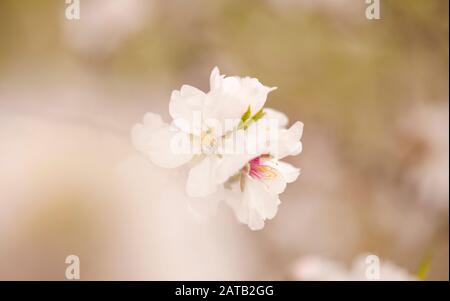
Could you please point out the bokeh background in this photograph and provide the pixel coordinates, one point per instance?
(373, 96)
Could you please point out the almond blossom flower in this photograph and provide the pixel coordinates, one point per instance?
(201, 123)
(230, 143)
(254, 193)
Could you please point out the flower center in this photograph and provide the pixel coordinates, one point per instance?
(209, 142)
(257, 168)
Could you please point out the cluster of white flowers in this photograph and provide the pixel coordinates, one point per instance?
(231, 144)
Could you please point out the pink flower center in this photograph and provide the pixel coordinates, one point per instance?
(260, 171)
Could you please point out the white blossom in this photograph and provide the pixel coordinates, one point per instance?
(255, 196)
(230, 143)
(201, 123)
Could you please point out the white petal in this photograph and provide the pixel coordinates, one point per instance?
(229, 166)
(221, 105)
(276, 184)
(201, 180)
(154, 138)
(288, 172)
(254, 92)
(230, 97)
(215, 78)
(225, 109)
(153, 120)
(233, 156)
(288, 142)
(186, 107)
(255, 221)
(254, 205)
(258, 137)
(262, 204)
(281, 119)
(234, 198)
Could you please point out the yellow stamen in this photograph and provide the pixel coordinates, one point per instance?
(266, 172)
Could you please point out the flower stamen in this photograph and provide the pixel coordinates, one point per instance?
(258, 170)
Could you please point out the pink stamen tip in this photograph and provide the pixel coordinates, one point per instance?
(255, 161)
